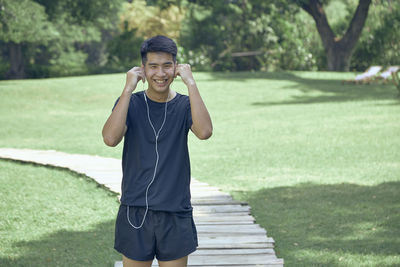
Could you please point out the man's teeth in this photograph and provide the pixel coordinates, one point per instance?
(160, 81)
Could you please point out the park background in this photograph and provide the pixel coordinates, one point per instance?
(317, 160)
(50, 38)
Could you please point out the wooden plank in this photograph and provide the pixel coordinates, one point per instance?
(234, 240)
(259, 245)
(237, 251)
(225, 223)
(235, 260)
(230, 242)
(244, 215)
(199, 202)
(210, 195)
(225, 235)
(227, 199)
(223, 218)
(249, 229)
(222, 208)
(199, 214)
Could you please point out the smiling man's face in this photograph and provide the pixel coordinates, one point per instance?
(160, 71)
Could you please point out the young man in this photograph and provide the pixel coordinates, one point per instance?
(155, 217)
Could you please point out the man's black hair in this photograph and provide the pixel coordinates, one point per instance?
(158, 43)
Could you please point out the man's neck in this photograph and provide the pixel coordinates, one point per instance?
(160, 97)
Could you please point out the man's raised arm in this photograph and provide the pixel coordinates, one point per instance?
(115, 127)
(202, 125)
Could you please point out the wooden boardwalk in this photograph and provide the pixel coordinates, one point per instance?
(228, 235)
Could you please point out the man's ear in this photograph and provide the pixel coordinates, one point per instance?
(142, 66)
(175, 67)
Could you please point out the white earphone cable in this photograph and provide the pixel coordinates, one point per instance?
(156, 134)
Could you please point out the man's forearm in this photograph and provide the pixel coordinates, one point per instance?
(114, 128)
(202, 125)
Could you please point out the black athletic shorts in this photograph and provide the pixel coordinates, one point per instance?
(164, 235)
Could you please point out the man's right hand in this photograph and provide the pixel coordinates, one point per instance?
(133, 76)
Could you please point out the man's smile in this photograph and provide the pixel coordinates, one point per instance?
(161, 81)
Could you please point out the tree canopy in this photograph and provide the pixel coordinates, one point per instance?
(65, 28)
(43, 38)
(154, 20)
(28, 24)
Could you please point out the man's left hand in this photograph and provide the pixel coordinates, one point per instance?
(185, 72)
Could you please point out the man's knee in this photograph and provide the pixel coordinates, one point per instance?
(126, 262)
(182, 262)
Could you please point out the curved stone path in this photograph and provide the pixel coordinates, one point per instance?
(228, 235)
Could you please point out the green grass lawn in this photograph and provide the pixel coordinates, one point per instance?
(318, 161)
(52, 217)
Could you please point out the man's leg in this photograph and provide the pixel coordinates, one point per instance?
(132, 263)
(182, 262)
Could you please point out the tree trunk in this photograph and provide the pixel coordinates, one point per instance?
(338, 50)
(16, 70)
(338, 57)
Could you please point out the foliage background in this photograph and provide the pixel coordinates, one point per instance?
(60, 38)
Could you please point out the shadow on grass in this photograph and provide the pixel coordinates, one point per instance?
(68, 248)
(328, 90)
(92, 247)
(313, 224)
